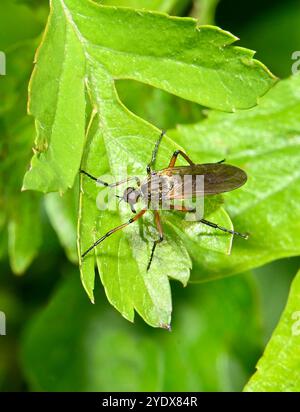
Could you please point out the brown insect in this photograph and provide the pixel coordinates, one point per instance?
(166, 186)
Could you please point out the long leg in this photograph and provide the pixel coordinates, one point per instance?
(215, 226)
(185, 156)
(207, 222)
(154, 153)
(161, 237)
(128, 179)
(176, 154)
(112, 231)
(180, 152)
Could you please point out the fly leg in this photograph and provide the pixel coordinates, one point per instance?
(173, 158)
(154, 153)
(208, 223)
(128, 179)
(112, 231)
(176, 154)
(161, 237)
(180, 152)
(215, 226)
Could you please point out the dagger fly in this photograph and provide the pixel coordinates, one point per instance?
(161, 188)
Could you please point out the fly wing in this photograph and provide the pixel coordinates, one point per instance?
(217, 178)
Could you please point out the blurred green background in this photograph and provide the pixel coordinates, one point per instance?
(56, 339)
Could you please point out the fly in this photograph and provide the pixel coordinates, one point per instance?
(166, 186)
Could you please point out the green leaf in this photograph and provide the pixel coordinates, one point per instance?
(127, 284)
(162, 109)
(209, 348)
(278, 369)
(144, 46)
(157, 5)
(264, 141)
(60, 119)
(63, 212)
(24, 235)
(93, 45)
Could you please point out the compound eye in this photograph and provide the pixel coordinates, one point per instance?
(128, 194)
(132, 196)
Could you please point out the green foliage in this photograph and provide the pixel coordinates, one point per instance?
(20, 211)
(127, 284)
(205, 10)
(274, 282)
(278, 369)
(62, 212)
(158, 5)
(90, 49)
(124, 357)
(260, 207)
(106, 80)
(14, 27)
(285, 17)
(159, 108)
(124, 43)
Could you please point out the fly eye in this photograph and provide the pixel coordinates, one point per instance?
(129, 194)
(132, 196)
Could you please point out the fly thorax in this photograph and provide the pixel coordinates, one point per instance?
(156, 190)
